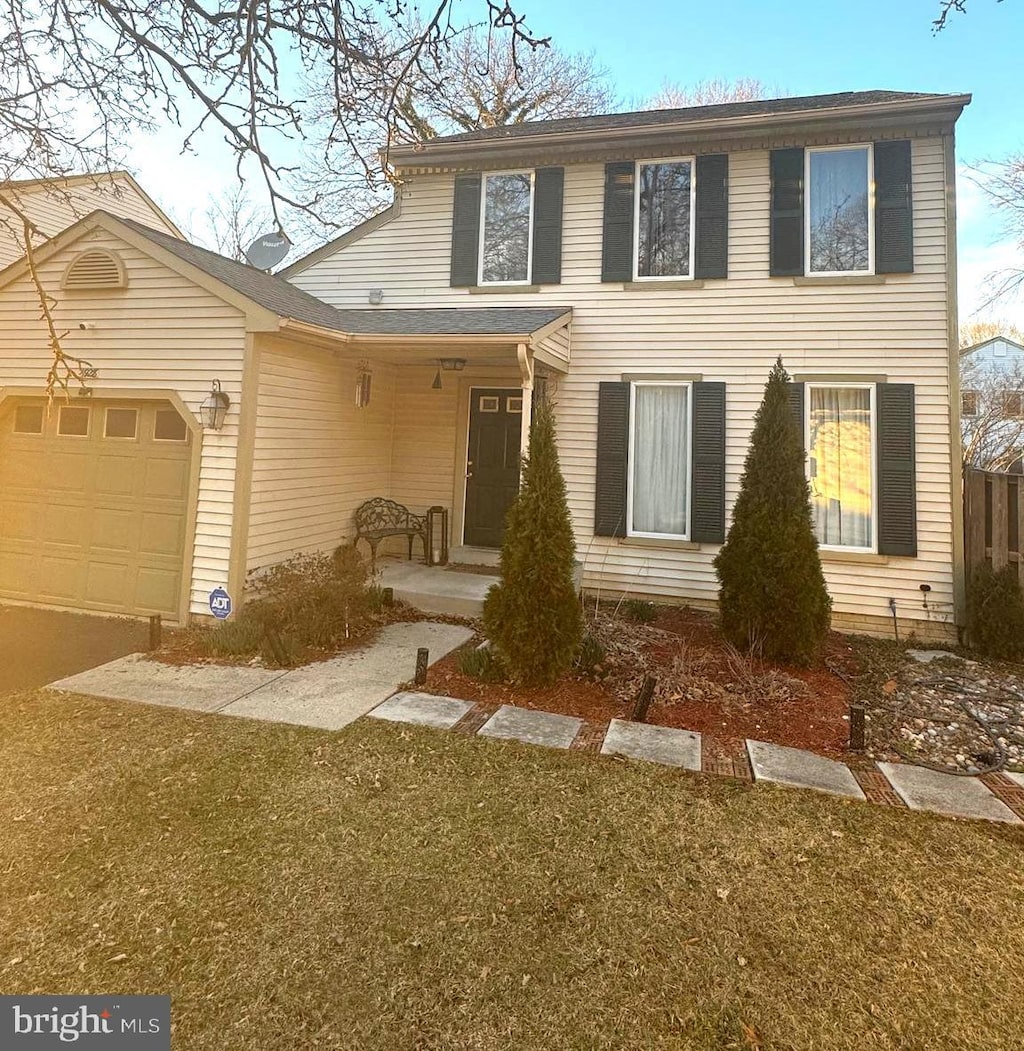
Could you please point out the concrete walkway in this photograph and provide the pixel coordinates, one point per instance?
(327, 695)
(998, 797)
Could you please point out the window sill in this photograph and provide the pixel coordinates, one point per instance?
(650, 541)
(502, 290)
(864, 558)
(840, 279)
(661, 286)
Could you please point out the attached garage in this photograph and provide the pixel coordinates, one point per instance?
(95, 504)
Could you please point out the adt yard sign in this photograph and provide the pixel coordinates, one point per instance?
(220, 603)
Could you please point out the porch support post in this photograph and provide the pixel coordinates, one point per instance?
(526, 375)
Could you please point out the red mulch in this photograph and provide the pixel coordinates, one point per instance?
(814, 722)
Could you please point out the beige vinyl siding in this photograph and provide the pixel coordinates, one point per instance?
(316, 456)
(54, 208)
(727, 330)
(162, 332)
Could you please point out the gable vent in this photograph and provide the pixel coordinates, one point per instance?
(95, 268)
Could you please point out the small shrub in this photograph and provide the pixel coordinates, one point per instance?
(591, 656)
(482, 663)
(316, 601)
(995, 612)
(533, 615)
(639, 610)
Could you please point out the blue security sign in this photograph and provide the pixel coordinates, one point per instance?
(220, 603)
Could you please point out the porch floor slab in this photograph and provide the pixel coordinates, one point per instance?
(422, 709)
(923, 789)
(655, 744)
(800, 769)
(530, 727)
(327, 695)
(434, 589)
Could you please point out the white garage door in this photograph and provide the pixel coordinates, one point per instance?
(93, 504)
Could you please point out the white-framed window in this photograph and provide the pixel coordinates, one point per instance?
(663, 209)
(121, 423)
(73, 421)
(970, 403)
(28, 419)
(839, 216)
(657, 493)
(1011, 404)
(506, 228)
(840, 443)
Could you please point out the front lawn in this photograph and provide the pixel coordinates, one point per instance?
(389, 888)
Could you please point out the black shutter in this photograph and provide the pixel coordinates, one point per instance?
(796, 405)
(787, 213)
(547, 226)
(612, 459)
(465, 231)
(707, 489)
(711, 225)
(894, 210)
(617, 239)
(897, 497)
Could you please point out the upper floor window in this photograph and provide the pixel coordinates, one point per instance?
(840, 212)
(507, 220)
(664, 219)
(969, 403)
(1011, 404)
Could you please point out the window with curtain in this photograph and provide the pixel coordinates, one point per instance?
(659, 456)
(507, 212)
(664, 219)
(839, 212)
(840, 457)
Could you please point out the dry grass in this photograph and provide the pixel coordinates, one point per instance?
(389, 889)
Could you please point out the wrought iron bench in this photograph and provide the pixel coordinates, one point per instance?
(377, 519)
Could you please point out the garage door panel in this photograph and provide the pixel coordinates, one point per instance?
(115, 476)
(19, 574)
(114, 530)
(156, 590)
(162, 534)
(94, 522)
(20, 520)
(166, 479)
(61, 579)
(65, 472)
(106, 583)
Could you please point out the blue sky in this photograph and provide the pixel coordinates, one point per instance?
(800, 47)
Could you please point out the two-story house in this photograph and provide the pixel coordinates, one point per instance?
(992, 404)
(647, 268)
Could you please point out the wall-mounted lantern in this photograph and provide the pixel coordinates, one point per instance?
(215, 408)
(447, 365)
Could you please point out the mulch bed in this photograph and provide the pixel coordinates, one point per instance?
(704, 685)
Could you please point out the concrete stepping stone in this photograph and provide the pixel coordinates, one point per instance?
(422, 709)
(800, 769)
(923, 789)
(655, 744)
(523, 724)
(1019, 778)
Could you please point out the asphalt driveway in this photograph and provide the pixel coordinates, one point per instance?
(39, 645)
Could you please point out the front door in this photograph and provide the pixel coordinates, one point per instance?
(492, 468)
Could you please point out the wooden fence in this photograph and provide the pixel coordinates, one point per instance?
(994, 519)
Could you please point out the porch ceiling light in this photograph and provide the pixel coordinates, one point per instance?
(215, 408)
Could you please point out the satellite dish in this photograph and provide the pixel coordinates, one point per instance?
(267, 251)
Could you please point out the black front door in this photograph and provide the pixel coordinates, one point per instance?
(492, 468)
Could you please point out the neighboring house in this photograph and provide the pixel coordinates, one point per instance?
(54, 204)
(648, 267)
(992, 404)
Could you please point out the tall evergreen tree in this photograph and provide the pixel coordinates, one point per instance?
(773, 598)
(533, 615)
